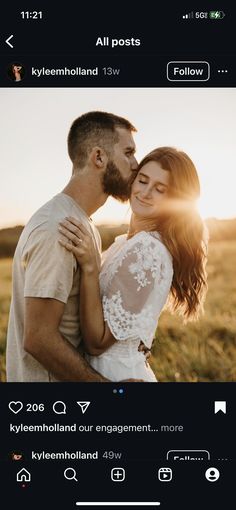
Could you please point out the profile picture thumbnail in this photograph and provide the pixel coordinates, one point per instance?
(16, 71)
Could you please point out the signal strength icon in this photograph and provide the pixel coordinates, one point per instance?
(188, 16)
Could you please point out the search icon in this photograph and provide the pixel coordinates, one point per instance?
(70, 474)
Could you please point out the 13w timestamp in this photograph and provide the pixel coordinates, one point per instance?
(111, 71)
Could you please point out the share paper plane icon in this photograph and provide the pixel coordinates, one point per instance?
(83, 406)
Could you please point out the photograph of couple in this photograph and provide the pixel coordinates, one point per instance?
(79, 313)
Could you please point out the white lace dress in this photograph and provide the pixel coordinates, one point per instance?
(135, 281)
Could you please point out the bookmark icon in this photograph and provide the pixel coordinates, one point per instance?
(220, 405)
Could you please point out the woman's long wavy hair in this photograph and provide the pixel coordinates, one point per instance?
(182, 231)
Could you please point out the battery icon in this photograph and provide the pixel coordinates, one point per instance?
(216, 14)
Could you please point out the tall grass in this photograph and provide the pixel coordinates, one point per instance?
(206, 350)
(5, 297)
(203, 351)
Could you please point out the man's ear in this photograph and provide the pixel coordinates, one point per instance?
(98, 157)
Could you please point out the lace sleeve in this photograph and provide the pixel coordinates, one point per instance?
(138, 289)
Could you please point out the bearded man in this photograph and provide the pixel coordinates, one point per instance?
(44, 327)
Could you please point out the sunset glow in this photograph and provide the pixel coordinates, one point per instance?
(34, 161)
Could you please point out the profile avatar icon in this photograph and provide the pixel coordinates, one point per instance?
(212, 474)
(16, 71)
(16, 456)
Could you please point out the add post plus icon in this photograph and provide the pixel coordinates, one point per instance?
(118, 474)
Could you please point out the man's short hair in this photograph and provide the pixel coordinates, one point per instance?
(91, 129)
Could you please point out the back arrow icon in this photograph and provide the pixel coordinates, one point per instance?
(7, 41)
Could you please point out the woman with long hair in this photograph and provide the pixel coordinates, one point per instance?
(17, 72)
(160, 261)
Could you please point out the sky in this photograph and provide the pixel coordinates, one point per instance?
(34, 124)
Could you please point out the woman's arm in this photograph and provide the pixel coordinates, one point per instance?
(95, 332)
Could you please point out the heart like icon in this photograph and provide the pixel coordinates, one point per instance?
(15, 407)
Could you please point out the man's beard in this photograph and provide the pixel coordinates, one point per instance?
(115, 185)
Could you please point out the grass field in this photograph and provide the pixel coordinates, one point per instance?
(202, 351)
(5, 296)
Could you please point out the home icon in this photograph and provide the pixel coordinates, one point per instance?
(23, 476)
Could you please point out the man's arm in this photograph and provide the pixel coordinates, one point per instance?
(43, 340)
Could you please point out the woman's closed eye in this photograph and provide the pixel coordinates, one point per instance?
(160, 190)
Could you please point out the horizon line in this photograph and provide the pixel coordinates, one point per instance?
(116, 223)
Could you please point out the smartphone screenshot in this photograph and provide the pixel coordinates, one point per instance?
(117, 256)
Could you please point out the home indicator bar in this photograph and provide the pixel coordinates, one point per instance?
(117, 503)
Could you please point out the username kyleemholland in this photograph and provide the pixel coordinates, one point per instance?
(64, 71)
